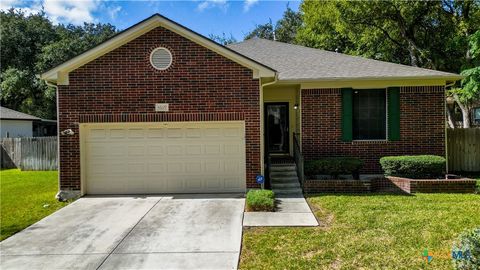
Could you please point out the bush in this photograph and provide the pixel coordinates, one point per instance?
(466, 250)
(260, 200)
(334, 166)
(418, 167)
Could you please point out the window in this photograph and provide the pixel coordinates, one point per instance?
(369, 110)
(476, 115)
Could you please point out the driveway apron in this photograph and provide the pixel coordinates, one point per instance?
(134, 232)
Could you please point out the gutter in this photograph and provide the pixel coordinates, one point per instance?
(452, 77)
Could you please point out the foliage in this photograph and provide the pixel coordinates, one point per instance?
(285, 29)
(31, 44)
(470, 90)
(466, 250)
(264, 31)
(432, 34)
(366, 232)
(260, 200)
(417, 167)
(333, 166)
(223, 39)
(27, 197)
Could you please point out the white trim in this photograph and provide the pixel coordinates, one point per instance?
(169, 53)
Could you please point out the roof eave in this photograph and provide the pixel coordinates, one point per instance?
(453, 77)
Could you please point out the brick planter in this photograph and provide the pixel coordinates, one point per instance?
(390, 185)
(408, 185)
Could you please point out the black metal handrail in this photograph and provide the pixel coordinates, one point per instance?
(267, 164)
(298, 157)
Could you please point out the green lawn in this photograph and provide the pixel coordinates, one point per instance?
(25, 198)
(366, 232)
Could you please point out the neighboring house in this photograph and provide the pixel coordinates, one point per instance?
(476, 116)
(457, 116)
(14, 124)
(159, 108)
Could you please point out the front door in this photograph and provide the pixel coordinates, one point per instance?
(276, 127)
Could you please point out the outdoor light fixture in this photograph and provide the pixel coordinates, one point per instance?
(67, 132)
(295, 107)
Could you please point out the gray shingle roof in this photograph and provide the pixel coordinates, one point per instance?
(294, 62)
(6, 113)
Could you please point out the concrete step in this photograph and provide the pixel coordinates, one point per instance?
(282, 174)
(283, 168)
(289, 191)
(287, 179)
(285, 185)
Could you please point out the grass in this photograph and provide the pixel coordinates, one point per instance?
(366, 232)
(25, 198)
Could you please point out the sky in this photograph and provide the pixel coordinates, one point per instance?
(232, 17)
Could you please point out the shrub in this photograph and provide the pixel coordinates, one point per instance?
(466, 250)
(426, 166)
(260, 200)
(334, 166)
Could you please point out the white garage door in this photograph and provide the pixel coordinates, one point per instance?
(187, 157)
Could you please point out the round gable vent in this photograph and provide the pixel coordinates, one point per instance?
(161, 58)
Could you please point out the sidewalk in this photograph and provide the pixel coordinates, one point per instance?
(291, 211)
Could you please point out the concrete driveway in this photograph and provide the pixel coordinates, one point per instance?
(151, 232)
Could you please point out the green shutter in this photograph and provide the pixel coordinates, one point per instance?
(347, 114)
(393, 113)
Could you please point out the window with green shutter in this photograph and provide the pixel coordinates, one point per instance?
(369, 121)
(371, 114)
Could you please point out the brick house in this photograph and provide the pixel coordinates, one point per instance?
(159, 108)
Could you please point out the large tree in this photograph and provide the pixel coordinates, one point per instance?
(430, 34)
(31, 44)
(284, 30)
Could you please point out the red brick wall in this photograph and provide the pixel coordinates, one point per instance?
(463, 185)
(122, 86)
(422, 123)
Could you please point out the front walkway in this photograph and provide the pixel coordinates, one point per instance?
(133, 232)
(291, 210)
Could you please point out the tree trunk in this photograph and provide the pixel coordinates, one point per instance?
(413, 57)
(450, 120)
(465, 111)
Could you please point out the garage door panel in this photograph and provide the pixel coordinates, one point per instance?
(232, 182)
(174, 133)
(175, 150)
(129, 158)
(155, 150)
(212, 149)
(156, 133)
(193, 133)
(194, 149)
(136, 150)
(156, 167)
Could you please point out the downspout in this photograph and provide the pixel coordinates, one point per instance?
(57, 196)
(262, 148)
(446, 126)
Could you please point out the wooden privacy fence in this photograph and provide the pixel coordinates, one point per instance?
(463, 149)
(29, 154)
